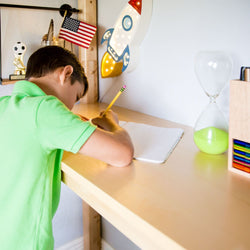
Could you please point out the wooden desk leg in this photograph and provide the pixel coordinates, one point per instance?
(91, 228)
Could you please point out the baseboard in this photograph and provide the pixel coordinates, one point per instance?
(77, 244)
(106, 246)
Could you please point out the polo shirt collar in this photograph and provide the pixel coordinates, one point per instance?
(27, 88)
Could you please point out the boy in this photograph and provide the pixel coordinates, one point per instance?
(36, 125)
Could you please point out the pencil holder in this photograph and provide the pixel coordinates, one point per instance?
(239, 128)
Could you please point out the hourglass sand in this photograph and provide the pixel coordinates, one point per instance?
(213, 70)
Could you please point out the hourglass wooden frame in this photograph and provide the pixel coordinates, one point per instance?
(239, 127)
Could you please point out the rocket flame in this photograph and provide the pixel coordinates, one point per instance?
(109, 67)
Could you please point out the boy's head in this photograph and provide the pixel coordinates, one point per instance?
(49, 58)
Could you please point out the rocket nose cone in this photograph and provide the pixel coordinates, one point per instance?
(109, 67)
(136, 4)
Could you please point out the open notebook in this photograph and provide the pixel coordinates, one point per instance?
(151, 143)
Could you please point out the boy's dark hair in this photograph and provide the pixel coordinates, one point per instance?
(47, 59)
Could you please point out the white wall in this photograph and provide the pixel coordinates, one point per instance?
(164, 83)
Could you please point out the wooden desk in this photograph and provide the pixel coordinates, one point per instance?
(190, 202)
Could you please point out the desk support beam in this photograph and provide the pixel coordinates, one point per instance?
(91, 228)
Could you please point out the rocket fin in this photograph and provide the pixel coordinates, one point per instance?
(107, 35)
(125, 58)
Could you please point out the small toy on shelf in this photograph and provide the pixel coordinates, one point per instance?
(19, 50)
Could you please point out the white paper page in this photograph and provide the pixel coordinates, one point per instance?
(151, 143)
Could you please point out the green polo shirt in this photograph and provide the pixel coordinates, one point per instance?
(34, 130)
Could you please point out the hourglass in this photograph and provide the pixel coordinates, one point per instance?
(213, 70)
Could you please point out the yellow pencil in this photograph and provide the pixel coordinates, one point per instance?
(113, 101)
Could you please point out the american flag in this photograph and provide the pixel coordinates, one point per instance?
(77, 32)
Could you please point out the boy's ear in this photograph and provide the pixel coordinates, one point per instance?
(65, 73)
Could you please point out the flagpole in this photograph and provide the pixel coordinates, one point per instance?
(65, 14)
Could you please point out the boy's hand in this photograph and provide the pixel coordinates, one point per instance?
(108, 122)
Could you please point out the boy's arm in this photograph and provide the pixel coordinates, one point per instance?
(109, 142)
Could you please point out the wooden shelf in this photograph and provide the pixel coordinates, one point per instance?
(7, 81)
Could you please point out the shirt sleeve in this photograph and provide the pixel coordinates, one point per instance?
(59, 128)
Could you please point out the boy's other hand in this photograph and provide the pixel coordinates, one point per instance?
(83, 118)
(109, 142)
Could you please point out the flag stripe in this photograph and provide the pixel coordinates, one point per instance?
(72, 34)
(85, 34)
(77, 32)
(72, 38)
(83, 31)
(76, 42)
(86, 27)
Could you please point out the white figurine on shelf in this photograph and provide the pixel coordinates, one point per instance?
(19, 50)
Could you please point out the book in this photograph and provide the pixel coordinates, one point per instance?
(151, 143)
